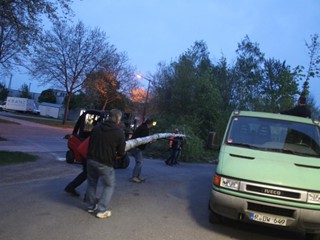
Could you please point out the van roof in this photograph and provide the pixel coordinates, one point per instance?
(275, 116)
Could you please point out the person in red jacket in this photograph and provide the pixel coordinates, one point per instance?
(175, 149)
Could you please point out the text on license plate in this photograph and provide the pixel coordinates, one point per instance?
(268, 219)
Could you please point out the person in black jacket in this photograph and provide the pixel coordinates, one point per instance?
(107, 142)
(301, 110)
(77, 181)
(141, 131)
(81, 177)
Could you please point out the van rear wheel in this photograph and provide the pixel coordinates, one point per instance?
(69, 157)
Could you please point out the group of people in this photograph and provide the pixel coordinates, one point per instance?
(107, 145)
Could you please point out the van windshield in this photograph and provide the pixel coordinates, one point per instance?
(275, 135)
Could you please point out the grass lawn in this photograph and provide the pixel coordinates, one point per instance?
(7, 121)
(50, 122)
(7, 157)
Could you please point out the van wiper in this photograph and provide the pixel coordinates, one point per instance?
(284, 150)
(246, 145)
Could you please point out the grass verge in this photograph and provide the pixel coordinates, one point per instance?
(49, 122)
(7, 157)
(8, 122)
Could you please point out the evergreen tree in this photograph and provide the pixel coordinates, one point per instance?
(3, 92)
(248, 69)
(25, 92)
(279, 88)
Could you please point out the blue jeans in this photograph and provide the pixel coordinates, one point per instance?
(137, 154)
(98, 171)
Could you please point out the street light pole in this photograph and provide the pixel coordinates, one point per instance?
(147, 96)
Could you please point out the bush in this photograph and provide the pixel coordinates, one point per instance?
(193, 148)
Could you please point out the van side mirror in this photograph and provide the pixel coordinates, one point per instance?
(212, 141)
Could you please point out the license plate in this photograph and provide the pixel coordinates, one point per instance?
(268, 219)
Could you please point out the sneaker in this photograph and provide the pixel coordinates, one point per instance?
(105, 214)
(142, 179)
(73, 192)
(136, 180)
(91, 209)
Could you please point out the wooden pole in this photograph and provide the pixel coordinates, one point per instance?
(132, 143)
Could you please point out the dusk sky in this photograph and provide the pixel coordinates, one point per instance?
(153, 31)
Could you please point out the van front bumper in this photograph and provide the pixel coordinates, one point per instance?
(238, 208)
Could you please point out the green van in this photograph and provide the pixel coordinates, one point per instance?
(268, 172)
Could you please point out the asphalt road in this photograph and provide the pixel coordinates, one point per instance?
(171, 204)
(32, 137)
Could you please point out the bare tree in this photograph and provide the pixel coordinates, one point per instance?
(66, 55)
(20, 25)
(313, 69)
(111, 82)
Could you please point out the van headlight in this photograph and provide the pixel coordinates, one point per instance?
(313, 197)
(230, 183)
(226, 182)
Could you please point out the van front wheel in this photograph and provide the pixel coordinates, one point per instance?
(312, 236)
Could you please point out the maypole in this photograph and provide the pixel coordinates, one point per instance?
(132, 143)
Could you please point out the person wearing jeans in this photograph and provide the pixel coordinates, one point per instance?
(107, 143)
(141, 131)
(106, 174)
(137, 154)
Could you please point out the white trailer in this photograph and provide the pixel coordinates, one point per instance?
(51, 110)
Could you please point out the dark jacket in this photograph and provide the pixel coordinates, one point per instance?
(300, 111)
(141, 131)
(177, 143)
(107, 141)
